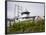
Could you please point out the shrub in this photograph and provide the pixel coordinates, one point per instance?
(28, 26)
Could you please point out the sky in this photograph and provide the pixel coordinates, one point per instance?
(35, 9)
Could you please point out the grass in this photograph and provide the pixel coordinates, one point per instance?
(28, 26)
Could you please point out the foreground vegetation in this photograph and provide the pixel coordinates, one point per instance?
(28, 26)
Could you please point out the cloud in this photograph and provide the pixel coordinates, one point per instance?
(35, 9)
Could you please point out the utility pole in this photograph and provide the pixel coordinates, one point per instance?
(18, 12)
(14, 13)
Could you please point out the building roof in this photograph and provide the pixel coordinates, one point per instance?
(26, 12)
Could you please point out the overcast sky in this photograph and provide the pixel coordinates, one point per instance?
(35, 9)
